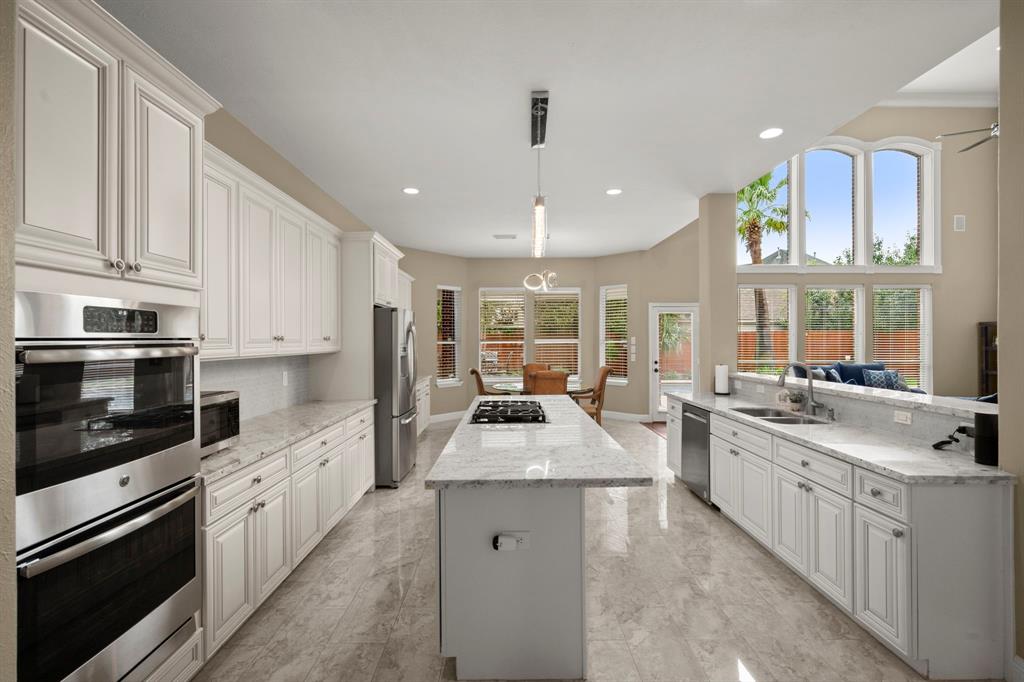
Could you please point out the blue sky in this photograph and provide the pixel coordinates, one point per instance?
(829, 199)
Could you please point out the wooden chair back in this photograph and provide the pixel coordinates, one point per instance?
(602, 381)
(547, 382)
(529, 369)
(480, 389)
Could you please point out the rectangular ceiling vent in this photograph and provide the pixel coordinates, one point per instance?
(504, 236)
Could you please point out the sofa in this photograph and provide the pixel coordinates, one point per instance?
(849, 372)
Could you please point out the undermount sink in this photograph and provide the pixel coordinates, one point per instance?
(763, 412)
(793, 419)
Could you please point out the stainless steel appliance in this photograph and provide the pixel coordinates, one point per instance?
(696, 451)
(106, 459)
(394, 380)
(508, 412)
(218, 421)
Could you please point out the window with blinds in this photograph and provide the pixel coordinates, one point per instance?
(502, 332)
(830, 325)
(614, 350)
(763, 341)
(901, 331)
(449, 334)
(556, 330)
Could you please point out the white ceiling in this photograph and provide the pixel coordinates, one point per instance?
(662, 99)
(968, 78)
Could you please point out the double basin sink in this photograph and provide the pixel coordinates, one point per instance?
(777, 416)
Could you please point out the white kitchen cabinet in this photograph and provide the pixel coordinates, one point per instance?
(289, 283)
(385, 276)
(257, 218)
(724, 465)
(405, 281)
(333, 491)
(323, 271)
(273, 539)
(789, 519)
(307, 522)
(422, 405)
(230, 594)
(830, 543)
(675, 445)
(67, 130)
(218, 311)
(754, 512)
(882, 576)
(359, 472)
(369, 463)
(163, 164)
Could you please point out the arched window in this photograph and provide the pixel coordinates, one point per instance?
(896, 207)
(829, 199)
(762, 220)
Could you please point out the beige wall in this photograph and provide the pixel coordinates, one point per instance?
(8, 589)
(1011, 274)
(965, 293)
(227, 133)
(667, 273)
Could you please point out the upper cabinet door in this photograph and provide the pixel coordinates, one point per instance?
(291, 259)
(163, 166)
(256, 280)
(332, 293)
(315, 286)
(218, 324)
(380, 276)
(67, 142)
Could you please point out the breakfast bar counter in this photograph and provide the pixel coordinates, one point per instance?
(510, 534)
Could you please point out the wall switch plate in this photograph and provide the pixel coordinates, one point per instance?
(959, 223)
(902, 417)
(284, 378)
(511, 540)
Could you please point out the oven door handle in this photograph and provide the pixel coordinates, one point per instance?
(39, 566)
(50, 356)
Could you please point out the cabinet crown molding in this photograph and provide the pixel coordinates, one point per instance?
(377, 238)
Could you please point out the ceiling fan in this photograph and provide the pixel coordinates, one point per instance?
(992, 130)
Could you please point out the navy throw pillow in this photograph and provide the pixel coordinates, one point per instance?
(881, 378)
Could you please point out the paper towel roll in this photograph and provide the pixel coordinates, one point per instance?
(721, 379)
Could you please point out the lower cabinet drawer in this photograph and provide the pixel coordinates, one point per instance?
(359, 421)
(222, 496)
(881, 493)
(814, 466)
(314, 447)
(750, 439)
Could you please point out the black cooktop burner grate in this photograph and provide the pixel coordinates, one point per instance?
(508, 412)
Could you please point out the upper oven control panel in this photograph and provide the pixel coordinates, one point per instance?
(102, 320)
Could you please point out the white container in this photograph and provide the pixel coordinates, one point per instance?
(721, 379)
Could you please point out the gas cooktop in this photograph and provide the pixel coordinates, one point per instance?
(508, 412)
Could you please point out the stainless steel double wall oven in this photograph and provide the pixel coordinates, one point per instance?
(107, 458)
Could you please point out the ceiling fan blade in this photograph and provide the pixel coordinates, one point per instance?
(963, 132)
(976, 144)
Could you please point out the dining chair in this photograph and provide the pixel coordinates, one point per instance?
(529, 369)
(480, 388)
(595, 397)
(547, 382)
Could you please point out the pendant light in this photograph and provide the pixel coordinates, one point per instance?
(538, 131)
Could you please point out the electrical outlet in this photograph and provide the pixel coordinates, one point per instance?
(284, 378)
(513, 540)
(902, 417)
(959, 223)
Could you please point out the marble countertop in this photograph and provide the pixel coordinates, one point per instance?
(570, 451)
(264, 435)
(904, 459)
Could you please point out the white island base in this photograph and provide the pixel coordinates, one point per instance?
(512, 614)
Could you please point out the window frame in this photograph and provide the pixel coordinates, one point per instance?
(531, 332)
(493, 378)
(859, 322)
(456, 343)
(927, 329)
(629, 344)
(792, 310)
(930, 248)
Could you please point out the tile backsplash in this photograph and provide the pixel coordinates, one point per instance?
(259, 382)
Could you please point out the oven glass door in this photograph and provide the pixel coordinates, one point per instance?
(83, 409)
(79, 595)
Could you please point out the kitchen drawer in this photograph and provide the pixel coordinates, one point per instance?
(814, 466)
(752, 440)
(675, 408)
(881, 494)
(317, 445)
(359, 421)
(227, 494)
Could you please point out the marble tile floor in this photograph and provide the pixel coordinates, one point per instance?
(676, 592)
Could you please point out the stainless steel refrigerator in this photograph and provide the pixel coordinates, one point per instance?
(394, 380)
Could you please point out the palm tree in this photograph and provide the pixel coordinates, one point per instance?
(758, 210)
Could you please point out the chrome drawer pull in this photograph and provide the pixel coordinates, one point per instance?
(733, 451)
(897, 533)
(804, 463)
(323, 442)
(800, 484)
(257, 479)
(875, 492)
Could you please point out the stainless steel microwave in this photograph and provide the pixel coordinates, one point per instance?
(218, 421)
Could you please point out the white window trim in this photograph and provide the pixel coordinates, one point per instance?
(612, 381)
(930, 248)
(579, 327)
(859, 324)
(926, 334)
(793, 326)
(492, 379)
(456, 381)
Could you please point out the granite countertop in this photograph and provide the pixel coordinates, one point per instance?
(264, 435)
(570, 451)
(904, 459)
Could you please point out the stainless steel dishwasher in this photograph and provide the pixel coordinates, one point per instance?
(696, 451)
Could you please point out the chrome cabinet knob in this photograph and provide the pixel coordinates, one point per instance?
(263, 503)
(202, 337)
(897, 533)
(808, 488)
(137, 266)
(875, 492)
(735, 434)
(362, 437)
(323, 442)
(800, 484)
(733, 452)
(804, 463)
(257, 479)
(117, 264)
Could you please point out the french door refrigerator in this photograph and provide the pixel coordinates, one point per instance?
(394, 380)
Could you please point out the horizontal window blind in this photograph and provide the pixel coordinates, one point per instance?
(900, 332)
(113, 379)
(556, 330)
(830, 325)
(615, 330)
(449, 306)
(502, 332)
(763, 337)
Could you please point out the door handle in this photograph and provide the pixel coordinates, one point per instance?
(408, 419)
(59, 355)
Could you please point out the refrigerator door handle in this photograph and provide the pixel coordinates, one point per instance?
(408, 419)
(410, 345)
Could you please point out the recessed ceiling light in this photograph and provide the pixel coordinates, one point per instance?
(770, 133)
(410, 190)
(613, 192)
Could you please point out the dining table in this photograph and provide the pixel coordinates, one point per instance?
(574, 386)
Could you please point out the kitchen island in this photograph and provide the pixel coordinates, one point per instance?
(510, 539)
